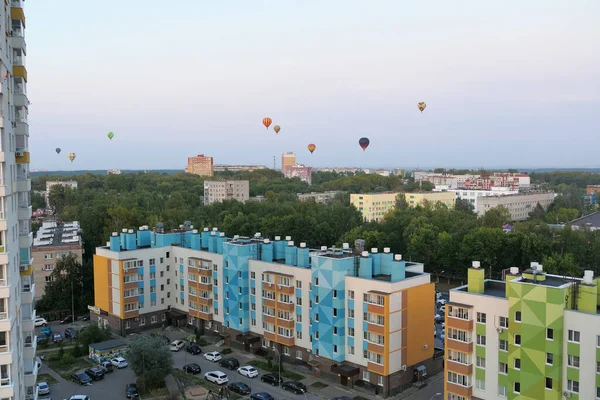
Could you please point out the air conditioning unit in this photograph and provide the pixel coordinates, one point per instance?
(23, 268)
(404, 367)
(567, 394)
(18, 153)
(499, 330)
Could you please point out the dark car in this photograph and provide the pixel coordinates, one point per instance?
(81, 377)
(230, 363)
(294, 386)
(67, 320)
(95, 373)
(192, 368)
(342, 398)
(42, 339)
(85, 318)
(57, 337)
(193, 349)
(106, 366)
(240, 388)
(272, 379)
(131, 390)
(71, 333)
(261, 396)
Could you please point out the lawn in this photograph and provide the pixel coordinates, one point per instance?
(65, 370)
(47, 378)
(192, 380)
(319, 385)
(275, 368)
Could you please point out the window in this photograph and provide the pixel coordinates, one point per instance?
(127, 324)
(549, 358)
(153, 319)
(503, 368)
(573, 361)
(253, 321)
(481, 318)
(479, 384)
(351, 297)
(380, 380)
(335, 348)
(517, 363)
(298, 335)
(316, 299)
(598, 367)
(240, 274)
(253, 291)
(481, 362)
(517, 316)
(240, 320)
(350, 313)
(152, 275)
(517, 387)
(517, 340)
(164, 316)
(335, 294)
(299, 284)
(239, 290)
(502, 391)
(459, 379)
(550, 334)
(350, 331)
(142, 321)
(366, 376)
(335, 312)
(152, 261)
(350, 349)
(162, 260)
(152, 303)
(298, 301)
(316, 281)
(239, 306)
(548, 383)
(573, 336)
(316, 334)
(480, 340)
(226, 279)
(316, 317)
(573, 386)
(503, 322)
(253, 275)
(598, 341)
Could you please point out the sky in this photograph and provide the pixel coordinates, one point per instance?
(507, 84)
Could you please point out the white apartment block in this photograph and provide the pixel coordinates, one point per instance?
(472, 195)
(18, 369)
(519, 205)
(218, 191)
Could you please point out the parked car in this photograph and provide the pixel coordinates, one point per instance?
(131, 390)
(342, 398)
(82, 378)
(38, 362)
(46, 330)
(39, 321)
(85, 318)
(441, 301)
(213, 356)
(119, 362)
(44, 398)
(443, 334)
(261, 396)
(71, 333)
(248, 370)
(106, 366)
(229, 363)
(217, 377)
(78, 397)
(294, 386)
(177, 345)
(43, 388)
(193, 349)
(192, 368)
(57, 337)
(67, 320)
(240, 388)
(272, 379)
(439, 318)
(95, 373)
(434, 331)
(42, 339)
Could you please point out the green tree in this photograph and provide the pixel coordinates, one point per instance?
(149, 358)
(93, 334)
(57, 198)
(496, 217)
(401, 203)
(464, 205)
(538, 213)
(37, 201)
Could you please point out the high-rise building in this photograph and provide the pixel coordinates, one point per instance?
(532, 336)
(288, 160)
(354, 315)
(18, 369)
(52, 241)
(200, 165)
(217, 191)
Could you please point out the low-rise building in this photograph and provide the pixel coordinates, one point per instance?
(519, 205)
(49, 184)
(52, 241)
(298, 171)
(347, 314)
(532, 336)
(218, 191)
(238, 168)
(322, 198)
(472, 195)
(113, 172)
(374, 206)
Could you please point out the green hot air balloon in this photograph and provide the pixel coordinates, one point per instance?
(110, 135)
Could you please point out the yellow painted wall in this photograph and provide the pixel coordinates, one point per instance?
(17, 13)
(415, 199)
(19, 71)
(101, 287)
(24, 159)
(375, 205)
(421, 304)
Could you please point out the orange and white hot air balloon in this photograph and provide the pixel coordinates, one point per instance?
(311, 148)
(421, 105)
(267, 122)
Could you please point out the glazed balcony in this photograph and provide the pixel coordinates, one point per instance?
(27, 291)
(30, 346)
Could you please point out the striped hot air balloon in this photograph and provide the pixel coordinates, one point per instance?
(311, 148)
(421, 105)
(267, 122)
(71, 156)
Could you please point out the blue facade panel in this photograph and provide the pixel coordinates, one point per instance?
(153, 296)
(141, 298)
(182, 295)
(141, 270)
(181, 268)
(152, 282)
(153, 269)
(140, 284)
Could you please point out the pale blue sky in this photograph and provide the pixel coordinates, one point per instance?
(507, 83)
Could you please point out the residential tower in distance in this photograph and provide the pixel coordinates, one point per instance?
(374, 206)
(217, 191)
(200, 165)
(298, 171)
(288, 160)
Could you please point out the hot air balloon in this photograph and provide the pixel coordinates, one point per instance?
(267, 122)
(311, 148)
(110, 135)
(58, 150)
(422, 106)
(364, 143)
(71, 156)
(277, 128)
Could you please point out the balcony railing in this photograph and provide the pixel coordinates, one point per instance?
(3, 282)
(16, 31)
(16, 3)
(3, 315)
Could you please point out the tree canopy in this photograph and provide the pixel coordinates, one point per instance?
(150, 358)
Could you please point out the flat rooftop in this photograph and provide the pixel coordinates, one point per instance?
(54, 234)
(491, 288)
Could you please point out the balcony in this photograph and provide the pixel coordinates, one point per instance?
(285, 289)
(28, 322)
(459, 390)
(24, 211)
(286, 323)
(7, 390)
(27, 293)
(6, 321)
(286, 306)
(377, 368)
(17, 39)
(205, 301)
(20, 97)
(6, 355)
(23, 183)
(205, 315)
(31, 372)
(3, 253)
(21, 156)
(16, 11)
(30, 346)
(26, 241)
(4, 289)
(205, 272)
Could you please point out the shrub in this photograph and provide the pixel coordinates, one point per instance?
(66, 359)
(76, 351)
(226, 351)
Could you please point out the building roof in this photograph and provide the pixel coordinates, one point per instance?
(592, 219)
(53, 234)
(108, 345)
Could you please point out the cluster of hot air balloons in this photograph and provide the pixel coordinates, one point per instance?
(71, 156)
(268, 121)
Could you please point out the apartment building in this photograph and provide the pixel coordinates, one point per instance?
(238, 168)
(200, 165)
(49, 184)
(18, 372)
(374, 206)
(288, 160)
(113, 172)
(471, 195)
(298, 171)
(519, 205)
(52, 241)
(217, 191)
(321, 198)
(357, 316)
(532, 336)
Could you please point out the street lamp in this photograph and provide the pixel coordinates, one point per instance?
(435, 395)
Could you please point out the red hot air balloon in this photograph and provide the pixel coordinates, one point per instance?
(311, 148)
(364, 143)
(267, 122)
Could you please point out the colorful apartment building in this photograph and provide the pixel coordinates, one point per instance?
(374, 206)
(532, 336)
(357, 316)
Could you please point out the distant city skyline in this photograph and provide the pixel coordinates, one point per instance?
(505, 84)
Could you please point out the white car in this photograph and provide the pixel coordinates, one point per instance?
(441, 301)
(438, 295)
(434, 331)
(217, 377)
(78, 397)
(43, 388)
(119, 362)
(443, 309)
(177, 345)
(248, 370)
(39, 321)
(213, 356)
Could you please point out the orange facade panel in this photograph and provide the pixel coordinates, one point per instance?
(420, 307)
(205, 286)
(284, 323)
(270, 336)
(462, 324)
(205, 316)
(376, 368)
(268, 286)
(205, 272)
(286, 341)
(205, 302)
(376, 309)
(378, 329)
(132, 314)
(459, 346)
(459, 390)
(286, 306)
(268, 303)
(269, 319)
(459, 368)
(375, 348)
(130, 285)
(285, 289)
(102, 291)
